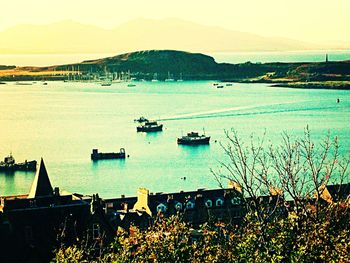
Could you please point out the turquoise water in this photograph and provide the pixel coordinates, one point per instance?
(63, 122)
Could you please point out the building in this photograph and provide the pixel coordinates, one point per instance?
(196, 207)
(32, 225)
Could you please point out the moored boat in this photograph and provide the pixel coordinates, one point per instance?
(9, 165)
(150, 126)
(193, 138)
(95, 155)
(141, 119)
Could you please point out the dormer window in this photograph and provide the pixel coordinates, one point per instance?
(236, 200)
(219, 202)
(208, 203)
(178, 206)
(161, 208)
(189, 205)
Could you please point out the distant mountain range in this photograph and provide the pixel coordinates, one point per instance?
(140, 34)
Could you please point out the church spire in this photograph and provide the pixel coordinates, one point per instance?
(41, 185)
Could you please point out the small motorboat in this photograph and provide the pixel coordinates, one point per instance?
(141, 119)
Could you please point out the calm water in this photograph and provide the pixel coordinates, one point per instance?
(233, 57)
(62, 122)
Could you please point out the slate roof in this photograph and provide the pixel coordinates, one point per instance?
(41, 185)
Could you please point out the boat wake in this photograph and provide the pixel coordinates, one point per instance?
(274, 108)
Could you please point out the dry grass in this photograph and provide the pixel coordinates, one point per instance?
(30, 72)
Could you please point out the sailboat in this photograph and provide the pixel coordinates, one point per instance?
(169, 79)
(155, 77)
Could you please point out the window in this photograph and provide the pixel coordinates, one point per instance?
(95, 231)
(161, 208)
(219, 202)
(178, 206)
(209, 203)
(236, 201)
(190, 205)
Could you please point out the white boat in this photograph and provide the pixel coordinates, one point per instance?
(169, 79)
(155, 77)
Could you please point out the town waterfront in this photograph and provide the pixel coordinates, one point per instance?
(62, 122)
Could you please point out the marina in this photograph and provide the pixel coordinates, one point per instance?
(93, 115)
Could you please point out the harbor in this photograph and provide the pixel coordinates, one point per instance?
(104, 117)
(90, 116)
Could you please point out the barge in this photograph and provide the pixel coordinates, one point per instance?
(95, 155)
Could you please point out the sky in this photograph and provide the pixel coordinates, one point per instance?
(307, 20)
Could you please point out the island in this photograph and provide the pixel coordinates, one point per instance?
(181, 65)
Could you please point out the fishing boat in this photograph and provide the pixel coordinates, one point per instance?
(95, 155)
(9, 165)
(131, 85)
(150, 126)
(193, 138)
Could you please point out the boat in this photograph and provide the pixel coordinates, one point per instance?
(95, 155)
(131, 85)
(150, 126)
(106, 83)
(180, 79)
(23, 83)
(228, 84)
(169, 79)
(193, 138)
(155, 77)
(9, 165)
(44, 83)
(141, 119)
(220, 87)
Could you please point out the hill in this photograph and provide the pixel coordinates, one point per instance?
(139, 34)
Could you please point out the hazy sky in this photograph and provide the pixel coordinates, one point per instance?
(308, 20)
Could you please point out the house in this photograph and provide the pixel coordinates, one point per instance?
(32, 225)
(196, 207)
(335, 193)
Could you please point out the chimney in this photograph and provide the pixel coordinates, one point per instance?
(143, 201)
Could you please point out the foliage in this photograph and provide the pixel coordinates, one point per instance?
(309, 229)
(287, 240)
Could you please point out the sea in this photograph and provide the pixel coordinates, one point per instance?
(63, 121)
